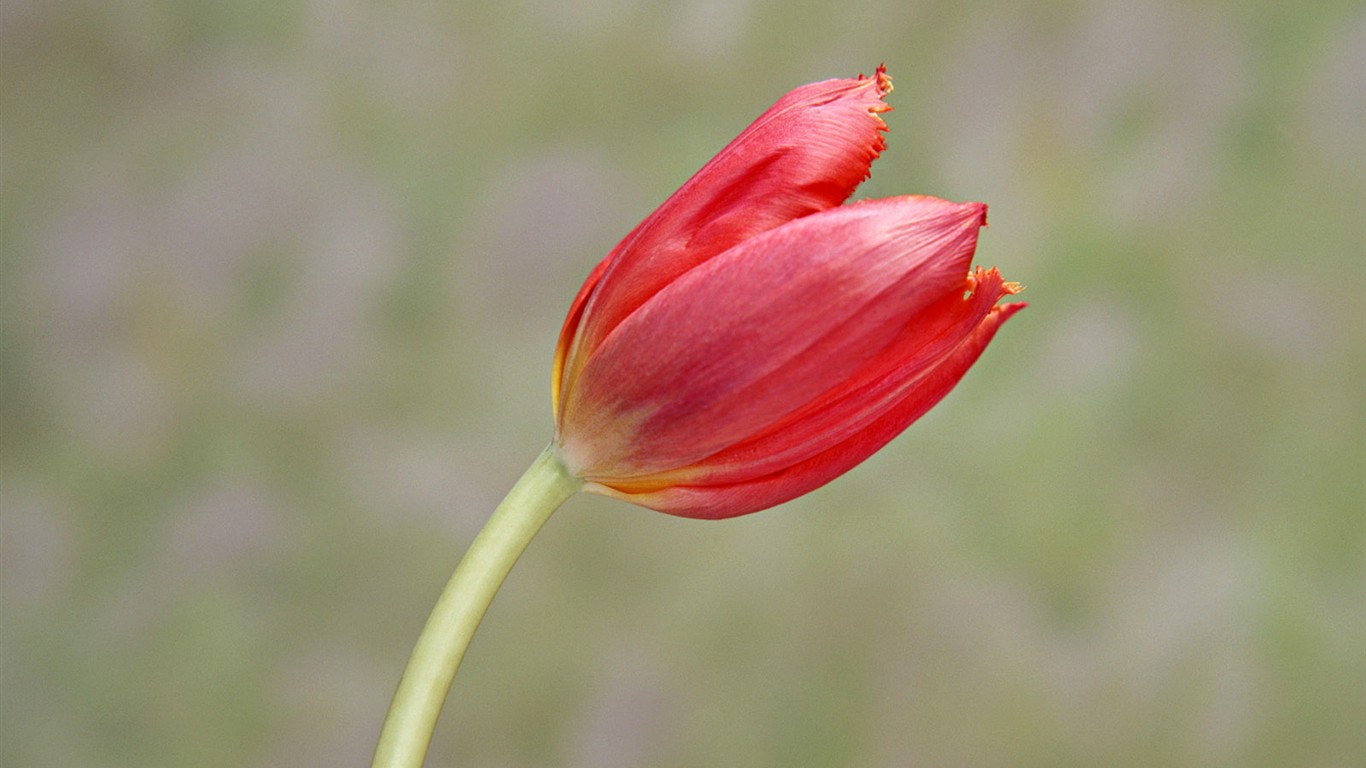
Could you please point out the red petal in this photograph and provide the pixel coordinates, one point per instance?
(743, 341)
(730, 500)
(805, 154)
(849, 408)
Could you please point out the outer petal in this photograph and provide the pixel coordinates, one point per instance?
(740, 343)
(929, 339)
(734, 499)
(805, 154)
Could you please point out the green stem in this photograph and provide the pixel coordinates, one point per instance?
(427, 679)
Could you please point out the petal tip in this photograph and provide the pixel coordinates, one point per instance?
(1006, 310)
(981, 210)
(884, 80)
(991, 277)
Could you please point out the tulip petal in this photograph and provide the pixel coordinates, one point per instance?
(747, 339)
(924, 344)
(715, 501)
(805, 154)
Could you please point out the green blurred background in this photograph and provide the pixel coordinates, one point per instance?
(281, 283)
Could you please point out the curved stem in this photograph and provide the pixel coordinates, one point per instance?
(427, 679)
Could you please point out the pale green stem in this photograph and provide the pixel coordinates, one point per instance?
(427, 679)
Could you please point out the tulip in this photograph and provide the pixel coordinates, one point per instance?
(754, 337)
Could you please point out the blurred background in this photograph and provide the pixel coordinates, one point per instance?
(281, 284)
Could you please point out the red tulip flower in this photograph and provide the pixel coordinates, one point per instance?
(755, 337)
(751, 340)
